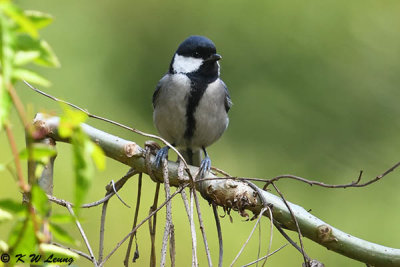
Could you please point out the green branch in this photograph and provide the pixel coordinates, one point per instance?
(237, 195)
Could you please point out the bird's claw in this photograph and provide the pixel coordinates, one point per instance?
(160, 156)
(205, 166)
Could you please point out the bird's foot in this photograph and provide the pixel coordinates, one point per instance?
(205, 166)
(160, 156)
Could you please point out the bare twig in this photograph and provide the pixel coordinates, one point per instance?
(118, 185)
(115, 191)
(139, 194)
(80, 253)
(152, 227)
(306, 258)
(121, 181)
(78, 224)
(220, 171)
(219, 232)
(202, 228)
(352, 184)
(168, 220)
(102, 225)
(304, 180)
(251, 234)
(140, 224)
(266, 256)
(259, 242)
(172, 249)
(271, 233)
(189, 211)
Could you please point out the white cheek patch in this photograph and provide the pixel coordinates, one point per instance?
(184, 64)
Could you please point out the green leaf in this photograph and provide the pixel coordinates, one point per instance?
(97, 155)
(47, 56)
(83, 166)
(5, 104)
(61, 218)
(52, 252)
(25, 57)
(40, 152)
(24, 233)
(6, 59)
(30, 76)
(39, 200)
(5, 216)
(17, 15)
(12, 205)
(2, 167)
(70, 120)
(61, 235)
(38, 18)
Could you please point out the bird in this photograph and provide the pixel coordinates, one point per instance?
(191, 102)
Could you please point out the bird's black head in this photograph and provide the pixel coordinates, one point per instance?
(197, 47)
(196, 55)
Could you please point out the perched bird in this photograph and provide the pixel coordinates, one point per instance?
(191, 102)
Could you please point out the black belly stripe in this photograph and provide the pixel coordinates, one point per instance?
(198, 89)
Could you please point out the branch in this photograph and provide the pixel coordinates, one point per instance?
(237, 195)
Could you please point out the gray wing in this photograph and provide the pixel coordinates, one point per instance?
(228, 102)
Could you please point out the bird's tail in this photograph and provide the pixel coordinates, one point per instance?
(192, 157)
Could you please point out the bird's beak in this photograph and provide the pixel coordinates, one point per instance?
(214, 57)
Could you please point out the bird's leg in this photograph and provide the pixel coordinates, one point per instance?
(205, 164)
(160, 156)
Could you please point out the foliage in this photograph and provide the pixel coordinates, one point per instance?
(20, 45)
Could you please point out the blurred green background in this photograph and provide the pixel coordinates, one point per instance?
(315, 86)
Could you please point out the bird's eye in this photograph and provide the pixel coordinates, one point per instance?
(196, 54)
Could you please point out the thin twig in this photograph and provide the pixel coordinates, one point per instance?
(140, 224)
(189, 212)
(266, 256)
(78, 224)
(219, 232)
(251, 234)
(283, 233)
(202, 228)
(115, 191)
(271, 233)
(172, 249)
(102, 225)
(306, 258)
(152, 226)
(118, 185)
(80, 253)
(139, 194)
(307, 181)
(220, 171)
(168, 220)
(259, 242)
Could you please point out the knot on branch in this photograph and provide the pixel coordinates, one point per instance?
(40, 129)
(232, 194)
(325, 234)
(132, 149)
